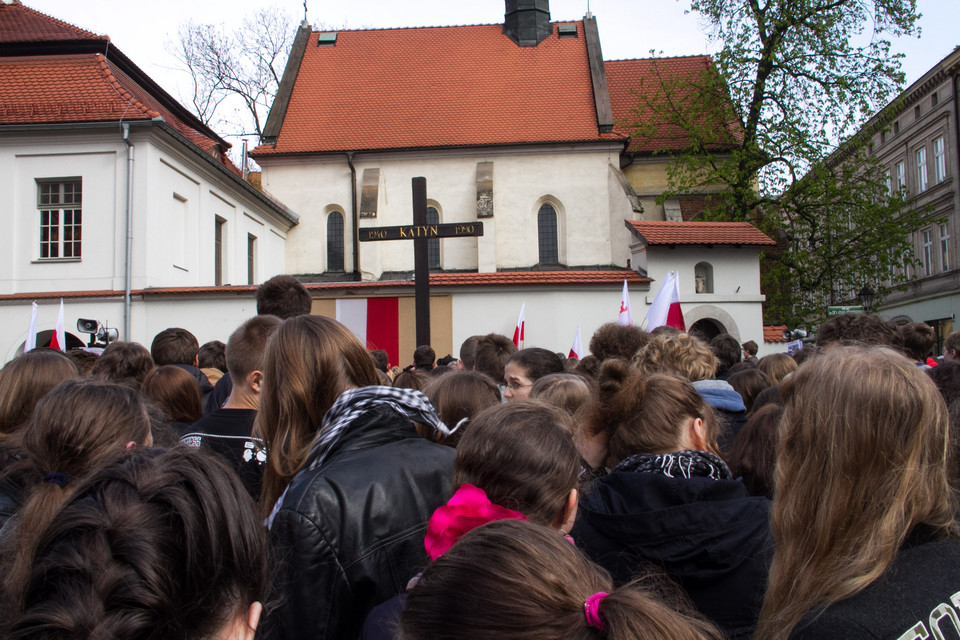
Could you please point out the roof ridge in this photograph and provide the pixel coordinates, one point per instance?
(64, 23)
(688, 56)
(121, 90)
(428, 26)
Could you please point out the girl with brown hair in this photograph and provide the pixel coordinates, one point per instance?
(514, 579)
(349, 484)
(155, 545)
(77, 428)
(175, 392)
(671, 502)
(863, 517)
(458, 397)
(26, 379)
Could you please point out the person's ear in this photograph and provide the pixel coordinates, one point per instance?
(255, 380)
(697, 434)
(243, 626)
(569, 514)
(130, 445)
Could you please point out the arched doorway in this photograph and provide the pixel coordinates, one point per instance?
(706, 329)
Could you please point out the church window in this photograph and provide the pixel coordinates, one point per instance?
(433, 244)
(547, 235)
(703, 277)
(335, 241)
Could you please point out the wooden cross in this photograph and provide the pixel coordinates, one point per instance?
(420, 232)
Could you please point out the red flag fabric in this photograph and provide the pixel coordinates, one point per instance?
(665, 309)
(576, 351)
(625, 319)
(59, 339)
(518, 332)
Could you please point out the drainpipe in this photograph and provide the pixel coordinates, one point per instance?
(128, 249)
(356, 215)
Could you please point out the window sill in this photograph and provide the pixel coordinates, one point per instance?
(55, 260)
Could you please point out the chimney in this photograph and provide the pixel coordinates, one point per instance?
(527, 22)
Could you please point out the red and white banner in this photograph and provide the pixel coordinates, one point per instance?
(625, 319)
(59, 338)
(576, 351)
(375, 322)
(518, 332)
(31, 341)
(665, 309)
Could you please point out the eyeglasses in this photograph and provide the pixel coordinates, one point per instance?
(513, 386)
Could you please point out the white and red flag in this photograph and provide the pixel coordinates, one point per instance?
(625, 319)
(59, 339)
(31, 341)
(576, 351)
(518, 332)
(665, 309)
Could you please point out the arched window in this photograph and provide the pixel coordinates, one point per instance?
(335, 241)
(433, 244)
(703, 277)
(547, 234)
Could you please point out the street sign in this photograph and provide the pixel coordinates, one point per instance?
(839, 311)
(414, 231)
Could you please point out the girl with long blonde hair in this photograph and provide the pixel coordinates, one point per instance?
(863, 516)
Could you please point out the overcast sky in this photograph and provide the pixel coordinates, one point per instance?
(628, 28)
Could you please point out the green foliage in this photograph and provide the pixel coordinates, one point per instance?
(791, 79)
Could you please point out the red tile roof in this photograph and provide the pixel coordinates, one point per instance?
(23, 24)
(774, 333)
(711, 233)
(438, 87)
(508, 278)
(634, 88)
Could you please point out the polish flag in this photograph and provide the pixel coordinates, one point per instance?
(625, 319)
(576, 351)
(665, 309)
(59, 339)
(375, 322)
(31, 341)
(518, 332)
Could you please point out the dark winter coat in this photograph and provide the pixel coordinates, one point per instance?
(709, 535)
(349, 534)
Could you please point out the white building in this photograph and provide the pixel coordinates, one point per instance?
(512, 126)
(116, 198)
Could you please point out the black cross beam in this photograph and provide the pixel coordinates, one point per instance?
(420, 232)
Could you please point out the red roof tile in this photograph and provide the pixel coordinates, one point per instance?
(508, 278)
(712, 233)
(23, 24)
(631, 80)
(774, 333)
(438, 87)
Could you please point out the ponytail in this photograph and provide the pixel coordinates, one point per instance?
(512, 578)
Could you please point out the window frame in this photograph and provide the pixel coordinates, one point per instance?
(944, 247)
(58, 230)
(939, 160)
(927, 243)
(219, 239)
(921, 156)
(251, 259)
(901, 168)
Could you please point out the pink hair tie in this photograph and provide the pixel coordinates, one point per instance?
(467, 509)
(591, 611)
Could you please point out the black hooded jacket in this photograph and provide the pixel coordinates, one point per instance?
(709, 535)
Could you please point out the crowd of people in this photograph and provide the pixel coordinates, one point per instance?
(289, 484)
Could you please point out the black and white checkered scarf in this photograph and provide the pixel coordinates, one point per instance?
(353, 403)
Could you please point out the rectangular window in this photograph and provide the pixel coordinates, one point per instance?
(921, 170)
(916, 112)
(889, 182)
(944, 247)
(901, 176)
(927, 253)
(219, 224)
(939, 160)
(60, 205)
(934, 99)
(251, 259)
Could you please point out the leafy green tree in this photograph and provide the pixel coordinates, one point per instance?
(792, 78)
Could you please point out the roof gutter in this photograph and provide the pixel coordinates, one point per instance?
(128, 245)
(356, 215)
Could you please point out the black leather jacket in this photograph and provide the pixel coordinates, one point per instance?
(349, 534)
